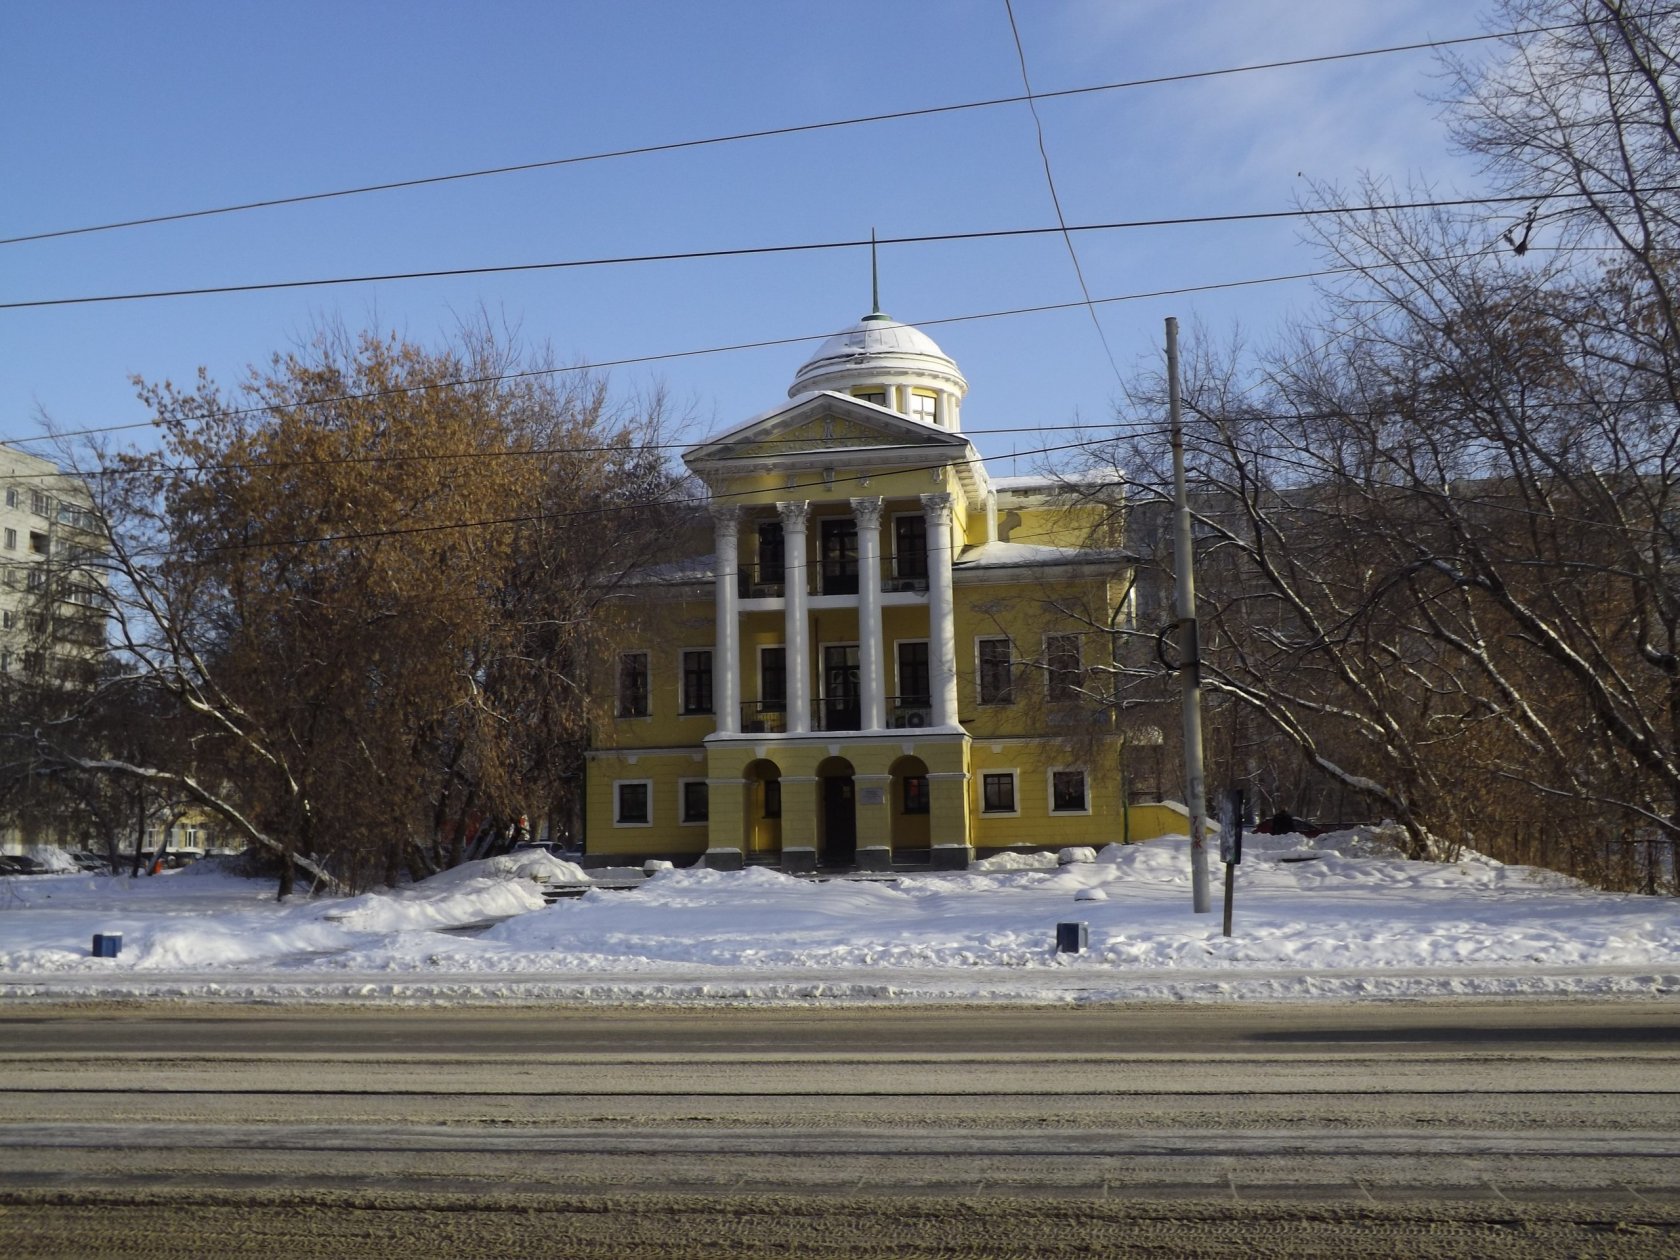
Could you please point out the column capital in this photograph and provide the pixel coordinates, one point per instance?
(725, 516)
(793, 513)
(937, 508)
(867, 512)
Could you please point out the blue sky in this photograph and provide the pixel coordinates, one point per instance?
(115, 111)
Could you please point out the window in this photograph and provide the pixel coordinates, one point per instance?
(37, 579)
(997, 792)
(11, 540)
(6, 619)
(997, 684)
(631, 800)
(772, 552)
(11, 496)
(876, 396)
(39, 503)
(697, 681)
(910, 546)
(914, 691)
(1067, 792)
(693, 800)
(772, 679)
(632, 684)
(1062, 673)
(923, 407)
(915, 794)
(5, 661)
(772, 798)
(37, 543)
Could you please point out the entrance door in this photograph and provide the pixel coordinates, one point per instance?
(839, 821)
(842, 695)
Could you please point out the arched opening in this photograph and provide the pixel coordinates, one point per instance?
(762, 812)
(836, 813)
(911, 804)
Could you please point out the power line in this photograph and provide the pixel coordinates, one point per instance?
(795, 129)
(637, 360)
(1055, 198)
(1256, 216)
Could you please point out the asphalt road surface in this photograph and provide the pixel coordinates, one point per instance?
(1516, 1129)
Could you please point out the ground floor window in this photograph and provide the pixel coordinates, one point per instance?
(772, 798)
(632, 802)
(695, 800)
(1067, 792)
(997, 792)
(915, 794)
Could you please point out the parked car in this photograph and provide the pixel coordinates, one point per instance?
(18, 864)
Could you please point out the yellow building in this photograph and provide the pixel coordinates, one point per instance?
(885, 655)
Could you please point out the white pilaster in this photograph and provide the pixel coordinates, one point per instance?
(726, 652)
(942, 628)
(872, 675)
(796, 633)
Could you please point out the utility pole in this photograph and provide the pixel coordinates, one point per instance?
(1189, 649)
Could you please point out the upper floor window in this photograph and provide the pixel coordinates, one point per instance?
(772, 679)
(37, 543)
(697, 681)
(11, 540)
(40, 503)
(772, 552)
(876, 396)
(923, 407)
(910, 546)
(11, 496)
(633, 684)
(996, 674)
(1063, 671)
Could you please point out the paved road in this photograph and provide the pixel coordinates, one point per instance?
(1475, 1129)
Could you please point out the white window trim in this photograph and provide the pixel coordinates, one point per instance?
(646, 655)
(979, 675)
(682, 709)
(1050, 791)
(1049, 671)
(682, 799)
(1015, 793)
(617, 801)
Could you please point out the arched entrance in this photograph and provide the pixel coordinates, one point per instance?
(836, 813)
(762, 811)
(911, 804)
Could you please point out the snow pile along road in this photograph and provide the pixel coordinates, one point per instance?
(1340, 916)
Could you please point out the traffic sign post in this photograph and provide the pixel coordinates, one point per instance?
(1230, 846)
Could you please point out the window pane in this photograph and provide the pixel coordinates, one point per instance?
(1062, 667)
(910, 546)
(695, 802)
(633, 684)
(633, 802)
(996, 681)
(1067, 790)
(773, 798)
(772, 679)
(915, 794)
(697, 682)
(913, 689)
(998, 794)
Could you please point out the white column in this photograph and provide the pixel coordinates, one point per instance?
(942, 627)
(868, 515)
(726, 644)
(796, 634)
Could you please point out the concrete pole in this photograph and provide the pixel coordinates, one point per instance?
(726, 652)
(1189, 651)
(872, 674)
(942, 634)
(796, 631)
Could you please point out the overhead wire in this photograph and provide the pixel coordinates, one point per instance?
(792, 129)
(749, 251)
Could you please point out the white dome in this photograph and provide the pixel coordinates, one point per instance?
(878, 350)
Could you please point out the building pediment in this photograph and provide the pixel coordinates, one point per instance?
(811, 429)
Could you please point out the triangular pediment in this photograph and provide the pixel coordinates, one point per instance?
(817, 424)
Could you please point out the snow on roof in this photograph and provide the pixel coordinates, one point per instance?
(1008, 555)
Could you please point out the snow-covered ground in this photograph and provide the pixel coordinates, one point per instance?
(1354, 921)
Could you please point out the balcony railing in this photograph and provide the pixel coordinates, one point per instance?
(831, 577)
(837, 713)
(763, 717)
(904, 573)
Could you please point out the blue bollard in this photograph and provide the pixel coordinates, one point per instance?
(107, 944)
